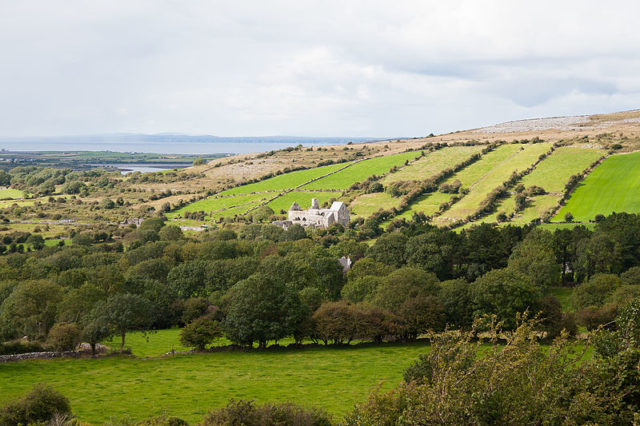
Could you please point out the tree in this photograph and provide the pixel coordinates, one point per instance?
(170, 233)
(36, 241)
(568, 217)
(455, 297)
(96, 330)
(389, 249)
(361, 289)
(199, 161)
(30, 310)
(368, 266)
(434, 251)
(125, 312)
(505, 293)
(262, 309)
(534, 258)
(595, 291)
(403, 284)
(200, 332)
(337, 321)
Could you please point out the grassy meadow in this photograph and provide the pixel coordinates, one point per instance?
(361, 171)
(613, 186)
(187, 386)
(478, 190)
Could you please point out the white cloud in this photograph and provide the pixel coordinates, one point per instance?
(375, 68)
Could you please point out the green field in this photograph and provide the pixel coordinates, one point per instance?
(367, 204)
(361, 171)
(284, 181)
(11, 194)
(470, 175)
(213, 204)
(433, 163)
(494, 177)
(427, 204)
(188, 386)
(613, 186)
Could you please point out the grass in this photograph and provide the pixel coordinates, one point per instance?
(367, 204)
(478, 191)
(362, 170)
(284, 181)
(473, 173)
(213, 204)
(433, 163)
(427, 204)
(188, 386)
(11, 194)
(151, 344)
(613, 186)
(554, 172)
(563, 294)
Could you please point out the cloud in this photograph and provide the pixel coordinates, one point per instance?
(357, 68)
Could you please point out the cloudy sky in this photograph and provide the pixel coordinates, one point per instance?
(314, 68)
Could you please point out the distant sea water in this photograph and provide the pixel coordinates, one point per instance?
(159, 144)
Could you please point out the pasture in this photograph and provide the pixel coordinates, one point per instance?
(367, 204)
(11, 194)
(362, 170)
(433, 163)
(613, 186)
(187, 386)
(480, 189)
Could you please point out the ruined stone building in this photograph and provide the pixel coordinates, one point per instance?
(315, 216)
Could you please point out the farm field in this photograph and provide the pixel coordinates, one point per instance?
(367, 204)
(613, 186)
(478, 190)
(362, 170)
(284, 181)
(213, 204)
(470, 175)
(11, 194)
(187, 386)
(427, 204)
(433, 163)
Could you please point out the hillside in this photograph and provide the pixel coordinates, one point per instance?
(512, 172)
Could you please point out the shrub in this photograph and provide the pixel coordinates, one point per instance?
(200, 333)
(64, 336)
(246, 413)
(568, 217)
(42, 404)
(595, 291)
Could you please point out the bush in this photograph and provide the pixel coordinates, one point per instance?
(42, 404)
(200, 333)
(20, 347)
(248, 414)
(64, 336)
(595, 291)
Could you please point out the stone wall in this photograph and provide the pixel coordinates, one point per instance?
(39, 355)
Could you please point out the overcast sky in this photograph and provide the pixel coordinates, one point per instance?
(313, 68)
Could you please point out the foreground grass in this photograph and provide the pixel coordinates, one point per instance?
(613, 186)
(189, 385)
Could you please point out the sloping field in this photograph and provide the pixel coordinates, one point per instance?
(476, 171)
(284, 181)
(427, 204)
(433, 163)
(362, 170)
(217, 204)
(367, 204)
(552, 174)
(500, 172)
(613, 186)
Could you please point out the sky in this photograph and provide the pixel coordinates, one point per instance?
(310, 68)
